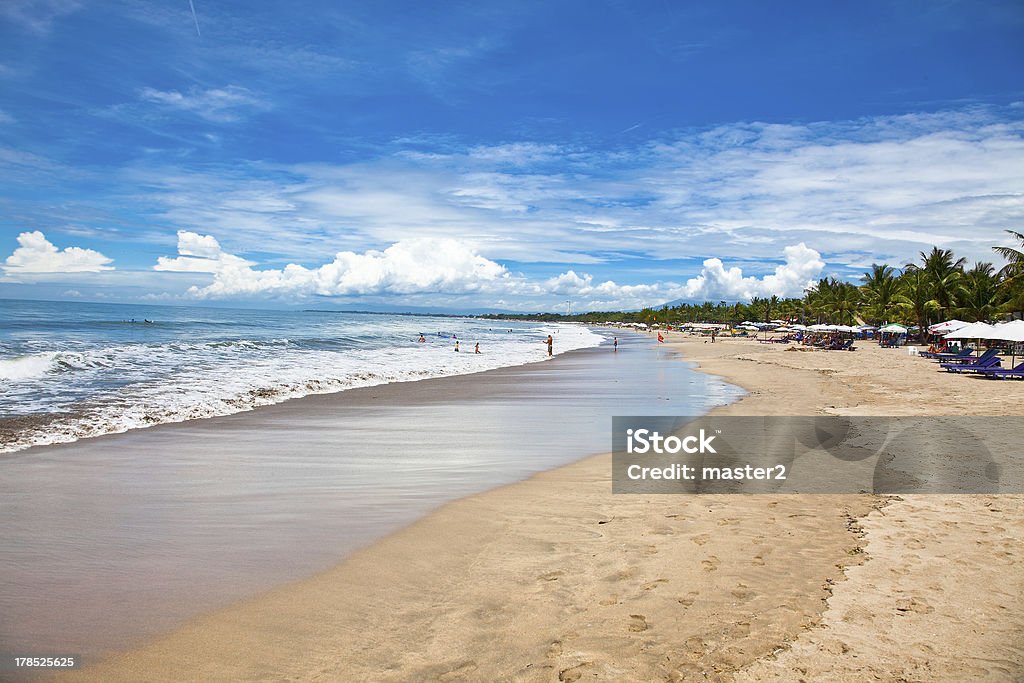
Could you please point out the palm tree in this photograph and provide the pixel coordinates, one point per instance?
(880, 291)
(945, 275)
(1011, 276)
(981, 294)
(1014, 267)
(915, 297)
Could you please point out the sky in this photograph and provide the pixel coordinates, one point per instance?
(498, 155)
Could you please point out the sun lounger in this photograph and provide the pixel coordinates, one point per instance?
(986, 362)
(971, 360)
(964, 353)
(1004, 373)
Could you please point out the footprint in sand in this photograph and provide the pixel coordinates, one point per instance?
(710, 564)
(688, 600)
(637, 623)
(915, 605)
(573, 674)
(555, 649)
(742, 592)
(651, 585)
(551, 576)
(701, 539)
(610, 600)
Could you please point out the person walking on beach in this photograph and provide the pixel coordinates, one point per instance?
(615, 343)
(477, 349)
(550, 343)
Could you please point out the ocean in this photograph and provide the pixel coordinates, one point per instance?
(75, 370)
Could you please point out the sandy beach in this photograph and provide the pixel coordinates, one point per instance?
(556, 579)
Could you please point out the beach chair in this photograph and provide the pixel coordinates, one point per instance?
(986, 362)
(945, 355)
(970, 360)
(1004, 373)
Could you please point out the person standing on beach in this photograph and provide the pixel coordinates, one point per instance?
(615, 343)
(477, 349)
(456, 347)
(551, 344)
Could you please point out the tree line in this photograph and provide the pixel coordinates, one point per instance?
(936, 287)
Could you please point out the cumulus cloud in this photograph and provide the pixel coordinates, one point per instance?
(412, 266)
(420, 267)
(200, 254)
(36, 254)
(802, 267)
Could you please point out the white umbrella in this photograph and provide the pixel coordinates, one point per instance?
(894, 329)
(947, 326)
(1011, 331)
(972, 331)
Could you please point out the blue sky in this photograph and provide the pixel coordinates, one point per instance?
(498, 154)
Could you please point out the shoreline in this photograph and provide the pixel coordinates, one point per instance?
(12, 427)
(553, 578)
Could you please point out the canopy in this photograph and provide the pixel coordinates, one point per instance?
(972, 331)
(894, 329)
(947, 326)
(1011, 331)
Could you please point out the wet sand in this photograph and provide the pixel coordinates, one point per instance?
(555, 579)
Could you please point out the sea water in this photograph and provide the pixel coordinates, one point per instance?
(75, 370)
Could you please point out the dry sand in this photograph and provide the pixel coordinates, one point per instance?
(556, 579)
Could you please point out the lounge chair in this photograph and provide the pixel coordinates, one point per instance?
(944, 355)
(1004, 373)
(986, 362)
(970, 360)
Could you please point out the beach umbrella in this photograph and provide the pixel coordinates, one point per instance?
(977, 331)
(972, 331)
(1012, 331)
(947, 326)
(894, 328)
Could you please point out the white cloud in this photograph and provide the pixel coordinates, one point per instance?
(801, 269)
(200, 254)
(876, 187)
(220, 105)
(37, 255)
(413, 266)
